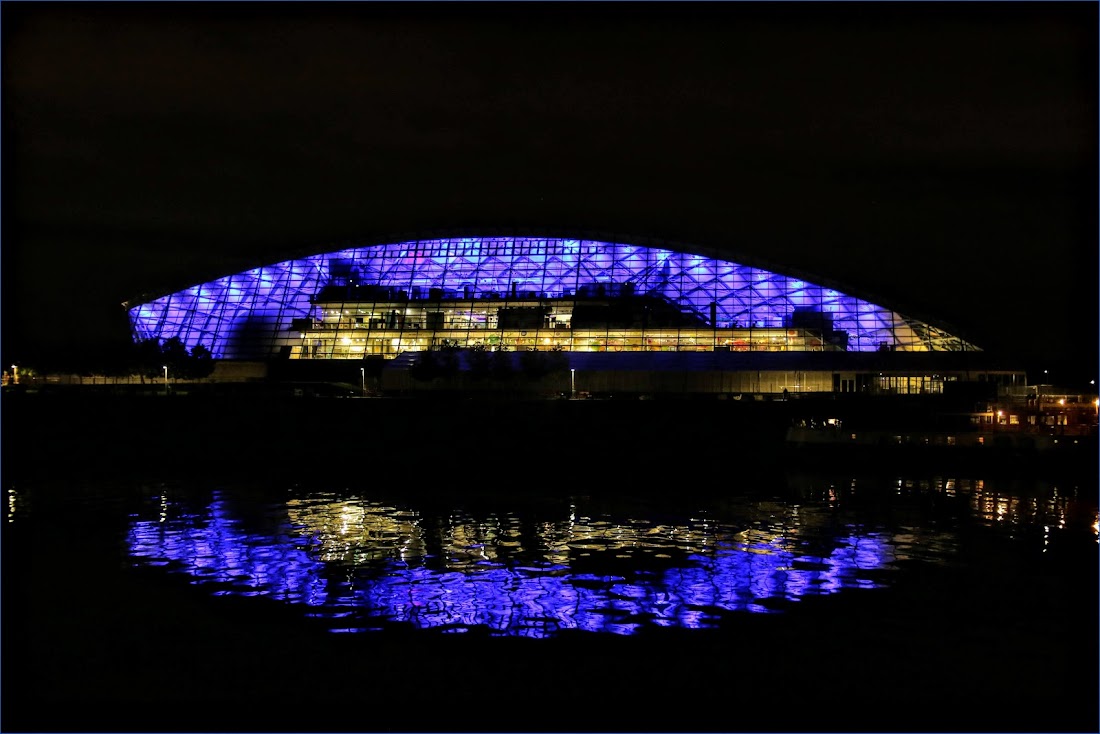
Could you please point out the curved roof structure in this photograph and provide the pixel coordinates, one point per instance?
(522, 292)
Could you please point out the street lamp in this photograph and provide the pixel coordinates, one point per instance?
(572, 382)
(165, 379)
(363, 380)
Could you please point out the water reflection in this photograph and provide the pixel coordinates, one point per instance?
(365, 564)
(597, 564)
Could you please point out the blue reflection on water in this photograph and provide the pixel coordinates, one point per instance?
(390, 577)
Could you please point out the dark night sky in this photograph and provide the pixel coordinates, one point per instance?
(942, 156)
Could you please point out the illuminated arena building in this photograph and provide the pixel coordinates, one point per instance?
(511, 293)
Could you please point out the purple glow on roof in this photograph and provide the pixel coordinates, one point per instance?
(251, 314)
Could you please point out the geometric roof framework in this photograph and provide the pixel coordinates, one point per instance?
(267, 310)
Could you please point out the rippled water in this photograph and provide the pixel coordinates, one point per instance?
(393, 566)
(363, 560)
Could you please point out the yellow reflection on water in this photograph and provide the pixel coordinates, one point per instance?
(354, 531)
(1009, 507)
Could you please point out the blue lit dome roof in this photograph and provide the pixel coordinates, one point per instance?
(258, 313)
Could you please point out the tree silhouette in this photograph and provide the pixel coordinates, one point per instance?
(200, 363)
(150, 356)
(147, 358)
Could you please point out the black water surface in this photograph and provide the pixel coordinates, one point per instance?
(357, 565)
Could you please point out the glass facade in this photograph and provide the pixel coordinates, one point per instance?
(520, 293)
